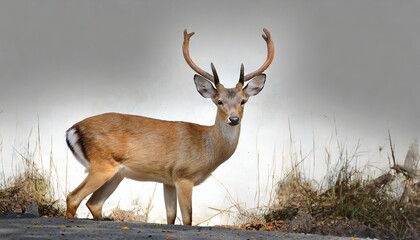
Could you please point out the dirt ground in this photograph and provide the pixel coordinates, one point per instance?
(24, 227)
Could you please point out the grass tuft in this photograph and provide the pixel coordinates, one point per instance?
(30, 189)
(29, 186)
(347, 202)
(139, 212)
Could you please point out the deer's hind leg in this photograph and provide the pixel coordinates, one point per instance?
(98, 175)
(98, 198)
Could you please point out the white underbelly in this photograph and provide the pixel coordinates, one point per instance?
(143, 175)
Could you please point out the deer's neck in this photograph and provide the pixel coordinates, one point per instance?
(224, 139)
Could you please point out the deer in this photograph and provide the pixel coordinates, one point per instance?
(180, 155)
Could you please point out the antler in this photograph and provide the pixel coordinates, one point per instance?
(186, 51)
(270, 56)
(215, 79)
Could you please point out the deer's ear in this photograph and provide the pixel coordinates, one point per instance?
(255, 85)
(204, 87)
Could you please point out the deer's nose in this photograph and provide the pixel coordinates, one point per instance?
(233, 120)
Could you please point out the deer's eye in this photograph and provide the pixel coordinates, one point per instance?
(243, 101)
(220, 103)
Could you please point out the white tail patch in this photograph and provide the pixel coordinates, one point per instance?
(74, 144)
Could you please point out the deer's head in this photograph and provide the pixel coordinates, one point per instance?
(229, 101)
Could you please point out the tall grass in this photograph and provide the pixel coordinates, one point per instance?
(29, 183)
(346, 202)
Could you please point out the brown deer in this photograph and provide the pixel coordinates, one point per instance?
(180, 155)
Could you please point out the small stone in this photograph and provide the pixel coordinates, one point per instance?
(32, 209)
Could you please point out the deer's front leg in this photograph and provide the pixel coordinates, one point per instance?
(169, 193)
(184, 189)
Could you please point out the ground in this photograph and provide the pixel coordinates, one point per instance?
(22, 227)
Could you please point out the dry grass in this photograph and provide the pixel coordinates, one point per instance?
(347, 202)
(351, 207)
(119, 214)
(30, 186)
(140, 212)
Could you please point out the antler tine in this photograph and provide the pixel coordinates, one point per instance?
(241, 75)
(216, 77)
(186, 52)
(270, 56)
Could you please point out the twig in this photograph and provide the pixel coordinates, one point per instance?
(392, 148)
(220, 211)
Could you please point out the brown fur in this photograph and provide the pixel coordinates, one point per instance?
(180, 155)
(151, 149)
